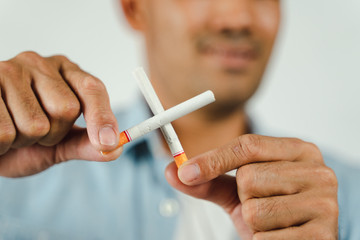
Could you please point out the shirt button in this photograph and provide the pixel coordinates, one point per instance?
(169, 207)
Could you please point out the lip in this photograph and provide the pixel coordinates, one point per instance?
(238, 58)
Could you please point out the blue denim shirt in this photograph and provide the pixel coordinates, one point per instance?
(120, 199)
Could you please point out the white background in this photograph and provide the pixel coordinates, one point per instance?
(310, 91)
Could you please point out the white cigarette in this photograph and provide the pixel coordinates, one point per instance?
(166, 117)
(154, 103)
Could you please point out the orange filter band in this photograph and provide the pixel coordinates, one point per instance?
(123, 139)
(180, 159)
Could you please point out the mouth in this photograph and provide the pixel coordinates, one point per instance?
(234, 58)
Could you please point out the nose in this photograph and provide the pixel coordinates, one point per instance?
(232, 15)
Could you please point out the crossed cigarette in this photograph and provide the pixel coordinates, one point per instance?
(162, 119)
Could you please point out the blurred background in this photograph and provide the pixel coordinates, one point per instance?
(310, 89)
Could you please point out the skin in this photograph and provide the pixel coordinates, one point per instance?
(41, 99)
(282, 188)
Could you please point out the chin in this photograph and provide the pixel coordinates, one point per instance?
(222, 108)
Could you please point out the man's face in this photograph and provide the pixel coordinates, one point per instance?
(220, 45)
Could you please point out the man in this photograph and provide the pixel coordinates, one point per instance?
(282, 188)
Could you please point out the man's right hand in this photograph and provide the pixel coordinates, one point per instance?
(40, 100)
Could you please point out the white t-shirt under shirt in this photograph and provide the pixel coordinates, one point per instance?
(202, 220)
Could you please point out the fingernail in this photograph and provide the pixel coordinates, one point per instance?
(107, 136)
(189, 173)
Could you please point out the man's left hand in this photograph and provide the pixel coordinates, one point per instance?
(282, 188)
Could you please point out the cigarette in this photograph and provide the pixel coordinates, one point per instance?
(166, 117)
(154, 103)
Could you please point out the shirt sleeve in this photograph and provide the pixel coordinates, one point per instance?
(348, 198)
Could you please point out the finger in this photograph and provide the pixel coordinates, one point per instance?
(244, 150)
(7, 128)
(36, 158)
(30, 121)
(310, 230)
(101, 123)
(264, 214)
(283, 178)
(58, 101)
(76, 145)
(221, 190)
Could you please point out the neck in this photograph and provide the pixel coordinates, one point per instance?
(200, 131)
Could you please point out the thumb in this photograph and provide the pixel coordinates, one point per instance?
(36, 158)
(77, 145)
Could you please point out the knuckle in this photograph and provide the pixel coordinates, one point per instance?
(28, 56)
(43, 65)
(61, 58)
(245, 181)
(62, 61)
(268, 208)
(7, 134)
(71, 110)
(297, 142)
(327, 176)
(213, 162)
(331, 207)
(71, 65)
(327, 207)
(256, 212)
(314, 147)
(37, 127)
(9, 68)
(315, 151)
(91, 84)
(68, 110)
(249, 213)
(250, 146)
